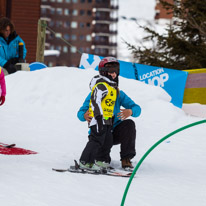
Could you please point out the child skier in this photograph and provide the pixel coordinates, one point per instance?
(96, 154)
(2, 87)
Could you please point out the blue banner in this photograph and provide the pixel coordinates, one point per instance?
(172, 81)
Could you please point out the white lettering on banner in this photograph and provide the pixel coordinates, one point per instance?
(151, 74)
(153, 79)
(159, 81)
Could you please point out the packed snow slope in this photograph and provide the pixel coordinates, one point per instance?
(40, 114)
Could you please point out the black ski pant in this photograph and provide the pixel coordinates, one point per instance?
(99, 145)
(125, 135)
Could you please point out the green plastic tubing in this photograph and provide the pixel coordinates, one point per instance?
(151, 148)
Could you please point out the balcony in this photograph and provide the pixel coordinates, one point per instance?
(99, 44)
(103, 29)
(106, 6)
(105, 18)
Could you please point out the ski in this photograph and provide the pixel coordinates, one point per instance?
(109, 172)
(7, 146)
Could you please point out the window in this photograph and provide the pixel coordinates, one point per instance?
(51, 23)
(74, 24)
(50, 64)
(81, 12)
(89, 1)
(103, 51)
(74, 1)
(82, 1)
(73, 49)
(66, 36)
(52, 11)
(66, 24)
(66, 12)
(52, 47)
(96, 50)
(65, 49)
(51, 36)
(59, 11)
(81, 25)
(58, 48)
(87, 49)
(74, 37)
(67, 1)
(58, 35)
(43, 10)
(88, 25)
(59, 24)
(81, 37)
(81, 49)
(59, 1)
(89, 12)
(97, 38)
(88, 38)
(74, 12)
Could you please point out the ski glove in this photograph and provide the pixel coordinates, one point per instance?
(2, 100)
(10, 67)
(99, 123)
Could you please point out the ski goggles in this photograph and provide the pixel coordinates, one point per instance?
(113, 67)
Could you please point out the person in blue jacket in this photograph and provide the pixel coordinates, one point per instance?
(124, 131)
(9, 46)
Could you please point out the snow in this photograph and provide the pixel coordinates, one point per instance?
(40, 114)
(51, 52)
(132, 15)
(138, 9)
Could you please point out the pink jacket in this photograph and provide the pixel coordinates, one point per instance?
(2, 83)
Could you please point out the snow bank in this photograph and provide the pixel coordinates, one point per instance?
(40, 114)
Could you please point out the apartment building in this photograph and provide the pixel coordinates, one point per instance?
(87, 26)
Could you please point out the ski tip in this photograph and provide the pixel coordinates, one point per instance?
(60, 170)
(76, 164)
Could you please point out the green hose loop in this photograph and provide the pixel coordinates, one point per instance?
(151, 148)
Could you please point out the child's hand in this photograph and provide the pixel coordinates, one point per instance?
(124, 114)
(87, 116)
(2, 100)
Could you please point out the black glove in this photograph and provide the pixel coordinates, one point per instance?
(10, 67)
(14, 60)
(99, 123)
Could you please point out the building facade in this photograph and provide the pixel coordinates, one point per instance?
(80, 26)
(25, 15)
(161, 13)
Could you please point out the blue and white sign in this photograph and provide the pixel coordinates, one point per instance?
(172, 81)
(89, 61)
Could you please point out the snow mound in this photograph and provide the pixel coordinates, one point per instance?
(40, 114)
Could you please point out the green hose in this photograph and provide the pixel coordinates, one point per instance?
(151, 148)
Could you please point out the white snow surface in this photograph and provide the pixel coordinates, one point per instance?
(40, 114)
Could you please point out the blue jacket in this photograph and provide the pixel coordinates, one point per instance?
(122, 100)
(10, 48)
